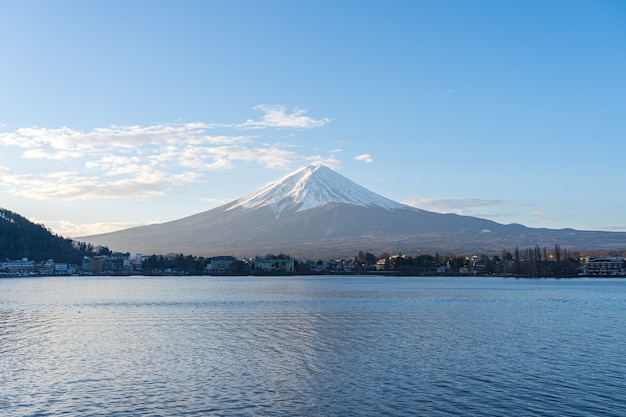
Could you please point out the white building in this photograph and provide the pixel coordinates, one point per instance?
(604, 266)
(274, 264)
(220, 264)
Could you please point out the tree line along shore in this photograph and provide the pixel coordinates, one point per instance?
(528, 262)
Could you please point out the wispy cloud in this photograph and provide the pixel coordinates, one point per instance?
(611, 228)
(367, 158)
(70, 185)
(541, 216)
(140, 161)
(278, 117)
(215, 201)
(66, 143)
(452, 205)
(329, 161)
(70, 229)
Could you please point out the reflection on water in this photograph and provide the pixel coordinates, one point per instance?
(312, 346)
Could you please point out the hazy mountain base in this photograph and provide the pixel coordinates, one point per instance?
(342, 248)
(337, 232)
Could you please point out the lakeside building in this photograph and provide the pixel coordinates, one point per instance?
(220, 264)
(265, 264)
(20, 267)
(25, 267)
(604, 266)
(115, 264)
(328, 266)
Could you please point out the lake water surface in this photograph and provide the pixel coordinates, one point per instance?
(312, 346)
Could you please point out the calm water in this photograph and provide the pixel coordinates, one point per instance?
(312, 346)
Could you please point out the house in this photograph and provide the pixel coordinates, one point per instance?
(381, 264)
(22, 267)
(220, 264)
(274, 264)
(604, 266)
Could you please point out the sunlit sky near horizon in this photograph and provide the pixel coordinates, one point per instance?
(120, 113)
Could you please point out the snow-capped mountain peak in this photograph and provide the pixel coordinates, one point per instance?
(311, 187)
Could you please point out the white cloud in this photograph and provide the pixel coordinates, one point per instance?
(330, 161)
(611, 228)
(140, 161)
(215, 201)
(224, 156)
(66, 143)
(73, 185)
(367, 158)
(452, 205)
(276, 116)
(70, 229)
(541, 215)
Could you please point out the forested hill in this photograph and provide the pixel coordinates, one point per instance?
(21, 238)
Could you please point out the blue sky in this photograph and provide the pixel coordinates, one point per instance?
(119, 113)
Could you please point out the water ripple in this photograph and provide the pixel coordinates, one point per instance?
(312, 347)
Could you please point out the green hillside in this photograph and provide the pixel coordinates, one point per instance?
(21, 238)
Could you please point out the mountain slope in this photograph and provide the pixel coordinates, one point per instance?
(316, 212)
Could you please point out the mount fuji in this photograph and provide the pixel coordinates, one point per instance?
(312, 187)
(315, 212)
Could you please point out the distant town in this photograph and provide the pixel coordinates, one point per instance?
(531, 262)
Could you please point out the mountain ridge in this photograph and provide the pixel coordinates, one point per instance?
(315, 212)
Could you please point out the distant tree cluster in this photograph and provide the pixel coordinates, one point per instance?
(178, 263)
(530, 262)
(538, 262)
(420, 264)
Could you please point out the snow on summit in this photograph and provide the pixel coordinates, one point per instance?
(311, 187)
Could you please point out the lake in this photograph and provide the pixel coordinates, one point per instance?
(312, 346)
